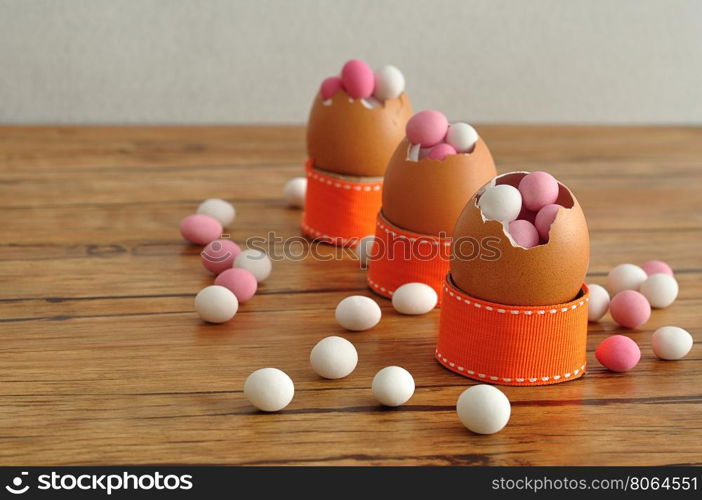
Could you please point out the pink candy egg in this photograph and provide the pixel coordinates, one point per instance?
(618, 353)
(441, 151)
(200, 229)
(524, 233)
(427, 128)
(538, 189)
(330, 86)
(239, 281)
(656, 267)
(630, 309)
(544, 219)
(219, 255)
(358, 79)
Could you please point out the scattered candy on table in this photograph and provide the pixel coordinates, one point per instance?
(599, 302)
(357, 313)
(618, 353)
(393, 386)
(630, 309)
(333, 357)
(218, 209)
(414, 298)
(656, 266)
(200, 229)
(671, 342)
(216, 304)
(269, 389)
(239, 281)
(625, 277)
(294, 192)
(483, 409)
(256, 262)
(660, 290)
(219, 255)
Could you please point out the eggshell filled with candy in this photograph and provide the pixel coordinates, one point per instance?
(488, 264)
(426, 196)
(346, 136)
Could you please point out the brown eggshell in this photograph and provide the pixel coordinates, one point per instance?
(547, 274)
(426, 196)
(348, 138)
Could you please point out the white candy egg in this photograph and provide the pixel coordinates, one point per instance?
(218, 209)
(660, 289)
(462, 137)
(294, 192)
(269, 389)
(333, 357)
(414, 298)
(364, 250)
(501, 202)
(357, 313)
(256, 262)
(625, 277)
(389, 83)
(671, 342)
(599, 303)
(216, 304)
(393, 386)
(483, 409)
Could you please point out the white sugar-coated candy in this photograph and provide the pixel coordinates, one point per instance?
(364, 249)
(483, 409)
(501, 202)
(671, 342)
(357, 313)
(462, 137)
(216, 304)
(625, 277)
(294, 192)
(414, 298)
(389, 83)
(599, 303)
(256, 262)
(393, 386)
(269, 389)
(218, 209)
(660, 290)
(333, 357)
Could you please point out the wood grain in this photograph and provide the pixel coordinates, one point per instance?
(102, 360)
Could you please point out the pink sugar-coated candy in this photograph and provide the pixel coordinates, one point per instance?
(630, 309)
(200, 229)
(239, 281)
(538, 189)
(618, 353)
(544, 219)
(656, 267)
(524, 233)
(441, 151)
(219, 255)
(330, 86)
(427, 128)
(358, 79)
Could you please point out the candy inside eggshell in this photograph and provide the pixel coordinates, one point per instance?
(487, 264)
(426, 196)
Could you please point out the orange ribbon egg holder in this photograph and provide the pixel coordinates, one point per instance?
(400, 256)
(512, 345)
(339, 211)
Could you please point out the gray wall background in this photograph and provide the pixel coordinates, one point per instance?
(217, 61)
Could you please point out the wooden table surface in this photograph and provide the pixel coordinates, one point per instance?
(103, 361)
